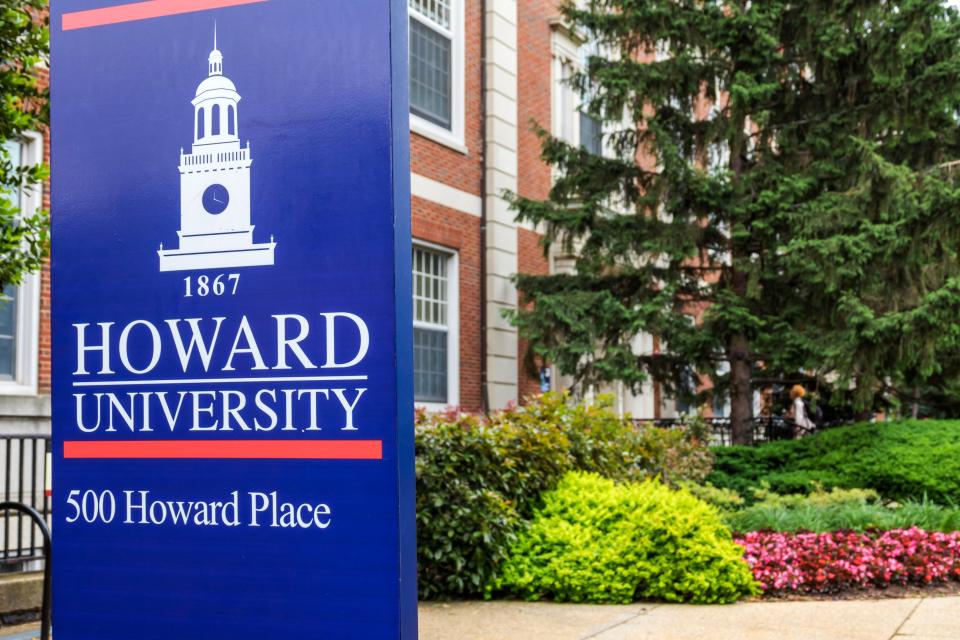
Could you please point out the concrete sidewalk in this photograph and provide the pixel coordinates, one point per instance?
(21, 632)
(908, 619)
(913, 619)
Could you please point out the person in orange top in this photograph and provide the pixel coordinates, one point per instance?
(797, 414)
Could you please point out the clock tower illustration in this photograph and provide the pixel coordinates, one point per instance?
(215, 230)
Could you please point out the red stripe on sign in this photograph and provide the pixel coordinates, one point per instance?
(132, 11)
(226, 449)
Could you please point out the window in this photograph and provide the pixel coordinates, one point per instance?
(436, 69)
(566, 104)
(571, 122)
(8, 334)
(686, 393)
(435, 343)
(20, 305)
(591, 128)
(591, 134)
(231, 120)
(721, 399)
(200, 123)
(429, 74)
(8, 301)
(215, 120)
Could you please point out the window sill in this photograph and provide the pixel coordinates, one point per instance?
(14, 389)
(434, 407)
(437, 134)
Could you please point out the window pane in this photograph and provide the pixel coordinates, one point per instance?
(430, 308)
(430, 287)
(430, 66)
(436, 10)
(429, 365)
(591, 134)
(8, 333)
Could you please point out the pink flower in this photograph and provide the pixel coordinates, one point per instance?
(839, 560)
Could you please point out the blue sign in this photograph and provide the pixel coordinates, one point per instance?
(232, 396)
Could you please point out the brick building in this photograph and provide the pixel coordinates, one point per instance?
(481, 73)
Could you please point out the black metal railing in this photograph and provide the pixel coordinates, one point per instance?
(39, 522)
(26, 481)
(720, 431)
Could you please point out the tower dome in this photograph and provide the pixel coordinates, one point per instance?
(215, 103)
(215, 83)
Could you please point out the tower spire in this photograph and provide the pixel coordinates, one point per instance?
(216, 58)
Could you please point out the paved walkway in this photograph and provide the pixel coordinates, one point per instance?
(909, 619)
(23, 632)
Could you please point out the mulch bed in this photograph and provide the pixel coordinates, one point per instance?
(936, 590)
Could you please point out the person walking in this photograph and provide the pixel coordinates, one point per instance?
(797, 414)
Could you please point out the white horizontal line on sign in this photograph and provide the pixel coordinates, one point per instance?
(144, 383)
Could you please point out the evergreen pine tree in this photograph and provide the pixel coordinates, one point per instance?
(787, 183)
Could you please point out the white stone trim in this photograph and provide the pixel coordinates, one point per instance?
(436, 134)
(500, 149)
(445, 195)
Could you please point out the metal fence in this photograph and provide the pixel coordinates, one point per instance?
(721, 433)
(25, 479)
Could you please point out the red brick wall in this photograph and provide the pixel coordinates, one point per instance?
(43, 355)
(530, 259)
(459, 231)
(534, 68)
(447, 227)
(43, 368)
(439, 162)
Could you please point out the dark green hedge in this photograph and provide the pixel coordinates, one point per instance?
(900, 460)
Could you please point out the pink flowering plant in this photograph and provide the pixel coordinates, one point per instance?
(842, 560)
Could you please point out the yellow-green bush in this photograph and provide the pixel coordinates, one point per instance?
(598, 541)
(478, 479)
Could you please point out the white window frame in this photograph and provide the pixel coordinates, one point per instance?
(453, 326)
(566, 53)
(28, 293)
(454, 136)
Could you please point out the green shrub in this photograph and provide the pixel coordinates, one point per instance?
(725, 500)
(901, 461)
(597, 541)
(599, 440)
(464, 522)
(479, 479)
(838, 509)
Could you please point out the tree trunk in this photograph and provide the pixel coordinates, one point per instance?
(741, 397)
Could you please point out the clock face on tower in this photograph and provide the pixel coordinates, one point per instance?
(216, 198)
